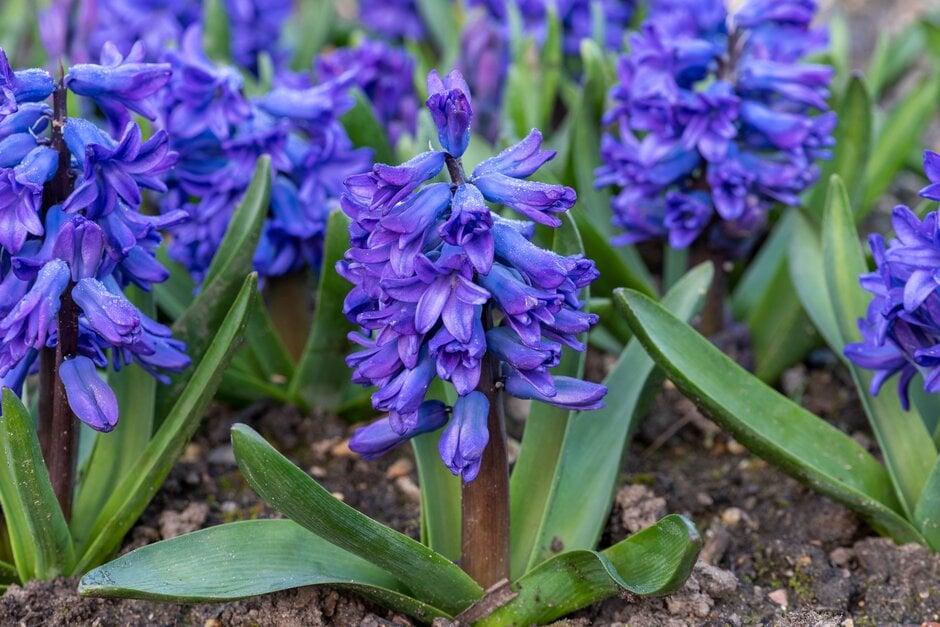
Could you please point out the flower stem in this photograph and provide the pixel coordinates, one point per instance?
(485, 500)
(484, 529)
(286, 299)
(712, 319)
(57, 433)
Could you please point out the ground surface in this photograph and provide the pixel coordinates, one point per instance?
(775, 552)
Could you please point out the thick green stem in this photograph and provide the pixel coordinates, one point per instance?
(58, 437)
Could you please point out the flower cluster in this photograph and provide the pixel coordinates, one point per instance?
(383, 73)
(81, 28)
(67, 254)
(396, 20)
(718, 120)
(220, 134)
(255, 28)
(901, 331)
(575, 17)
(444, 287)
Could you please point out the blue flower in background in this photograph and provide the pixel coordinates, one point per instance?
(87, 249)
(220, 133)
(383, 73)
(718, 120)
(442, 285)
(255, 28)
(901, 331)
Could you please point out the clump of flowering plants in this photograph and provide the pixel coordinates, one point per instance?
(896, 337)
(457, 306)
(81, 342)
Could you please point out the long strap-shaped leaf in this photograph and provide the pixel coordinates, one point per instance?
(230, 265)
(656, 560)
(39, 535)
(590, 458)
(767, 422)
(131, 496)
(531, 479)
(322, 376)
(244, 559)
(430, 576)
(113, 454)
(907, 446)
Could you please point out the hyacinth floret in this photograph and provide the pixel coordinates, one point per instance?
(220, 133)
(85, 250)
(378, 69)
(718, 119)
(901, 330)
(445, 288)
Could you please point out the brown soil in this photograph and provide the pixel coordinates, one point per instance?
(775, 552)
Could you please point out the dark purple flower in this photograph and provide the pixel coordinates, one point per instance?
(120, 84)
(255, 28)
(22, 86)
(378, 438)
(465, 438)
(932, 170)
(89, 396)
(433, 269)
(113, 171)
(449, 104)
(724, 106)
(380, 71)
(901, 330)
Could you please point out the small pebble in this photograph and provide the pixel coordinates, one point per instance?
(191, 454)
(779, 596)
(318, 471)
(704, 499)
(409, 488)
(228, 507)
(401, 468)
(339, 496)
(341, 449)
(731, 516)
(841, 556)
(735, 447)
(212, 622)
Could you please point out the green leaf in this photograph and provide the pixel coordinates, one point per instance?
(901, 130)
(230, 265)
(805, 261)
(927, 511)
(430, 576)
(175, 294)
(656, 560)
(781, 332)
(441, 20)
(39, 536)
(906, 444)
(853, 138)
(440, 489)
(752, 286)
(243, 559)
(322, 376)
(266, 349)
(115, 453)
(840, 46)
(531, 478)
(134, 492)
(365, 130)
(308, 31)
(767, 422)
(586, 475)
(216, 32)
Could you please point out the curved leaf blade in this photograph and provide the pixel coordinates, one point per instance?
(430, 576)
(767, 422)
(321, 378)
(39, 536)
(656, 560)
(906, 444)
(244, 559)
(594, 443)
(230, 265)
(142, 481)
